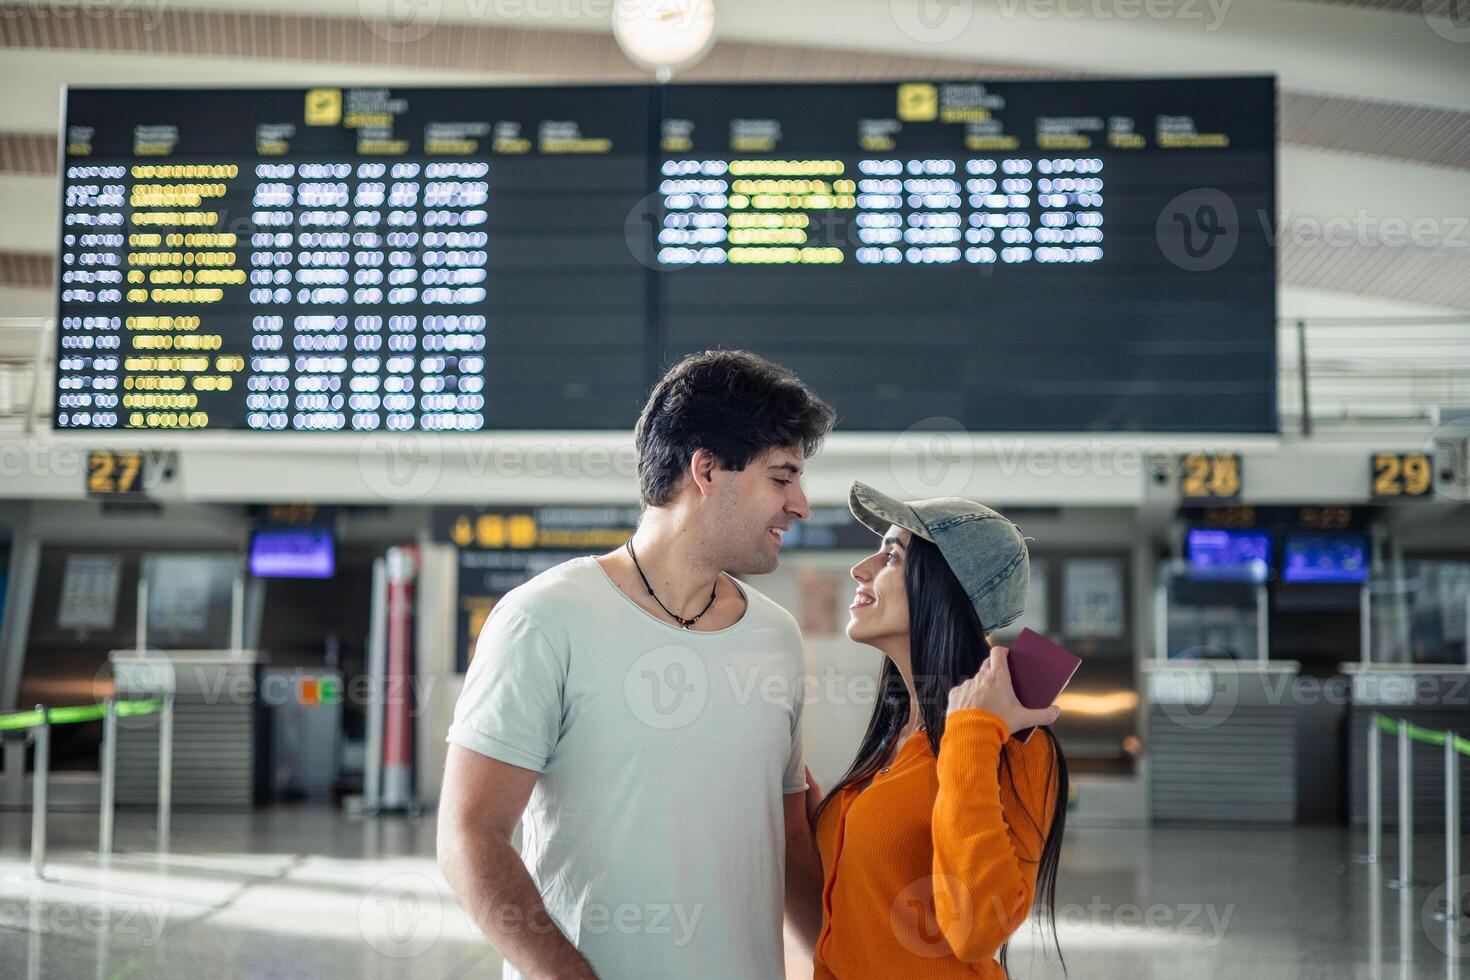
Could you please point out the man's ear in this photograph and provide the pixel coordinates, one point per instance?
(702, 466)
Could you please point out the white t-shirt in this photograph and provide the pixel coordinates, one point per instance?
(655, 831)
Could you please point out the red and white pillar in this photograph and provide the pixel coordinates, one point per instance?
(397, 786)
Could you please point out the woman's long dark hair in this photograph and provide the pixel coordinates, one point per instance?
(947, 645)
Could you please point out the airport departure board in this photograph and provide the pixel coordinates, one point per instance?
(1015, 256)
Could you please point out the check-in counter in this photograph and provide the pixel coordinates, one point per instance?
(1221, 743)
(213, 727)
(1434, 696)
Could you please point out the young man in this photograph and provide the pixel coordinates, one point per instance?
(639, 711)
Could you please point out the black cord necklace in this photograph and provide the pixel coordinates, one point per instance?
(688, 624)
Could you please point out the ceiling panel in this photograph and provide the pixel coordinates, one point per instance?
(1387, 130)
(1418, 133)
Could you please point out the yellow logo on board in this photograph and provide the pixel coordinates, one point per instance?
(918, 102)
(323, 106)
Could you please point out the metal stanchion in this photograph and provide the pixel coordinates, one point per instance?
(140, 629)
(1161, 622)
(1451, 827)
(41, 772)
(377, 669)
(237, 613)
(1406, 807)
(1365, 625)
(1375, 790)
(1263, 625)
(1408, 928)
(165, 769)
(109, 777)
(1375, 921)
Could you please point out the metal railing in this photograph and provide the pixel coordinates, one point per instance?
(1337, 371)
(37, 724)
(1454, 745)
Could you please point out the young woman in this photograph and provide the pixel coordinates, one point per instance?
(935, 843)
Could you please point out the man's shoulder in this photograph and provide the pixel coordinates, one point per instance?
(770, 611)
(548, 596)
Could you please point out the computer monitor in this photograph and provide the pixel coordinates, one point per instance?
(1238, 556)
(294, 552)
(1325, 558)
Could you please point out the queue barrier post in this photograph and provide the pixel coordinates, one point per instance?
(1454, 746)
(1375, 793)
(109, 777)
(165, 770)
(1451, 825)
(1406, 807)
(42, 772)
(35, 726)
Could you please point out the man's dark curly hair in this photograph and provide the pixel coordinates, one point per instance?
(731, 403)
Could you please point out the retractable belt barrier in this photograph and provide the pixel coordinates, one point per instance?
(37, 724)
(1454, 745)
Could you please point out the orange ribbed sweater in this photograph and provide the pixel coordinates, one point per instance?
(932, 866)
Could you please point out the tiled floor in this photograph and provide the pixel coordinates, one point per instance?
(308, 892)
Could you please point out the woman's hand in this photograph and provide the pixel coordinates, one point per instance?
(991, 689)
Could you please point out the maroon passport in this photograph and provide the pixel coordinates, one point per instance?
(1039, 671)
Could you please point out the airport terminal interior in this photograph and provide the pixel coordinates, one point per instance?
(324, 325)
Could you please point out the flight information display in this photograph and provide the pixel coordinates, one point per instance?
(351, 259)
(1018, 256)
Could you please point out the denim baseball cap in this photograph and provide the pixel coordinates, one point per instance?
(984, 550)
